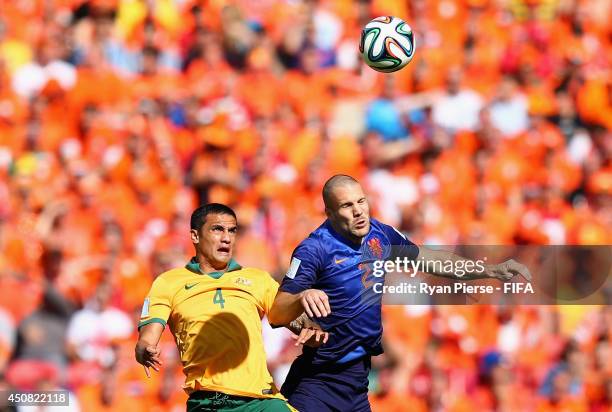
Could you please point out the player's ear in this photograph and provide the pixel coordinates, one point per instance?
(195, 238)
(327, 212)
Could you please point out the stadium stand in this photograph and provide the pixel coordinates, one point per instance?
(118, 117)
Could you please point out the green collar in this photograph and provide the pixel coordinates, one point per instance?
(194, 267)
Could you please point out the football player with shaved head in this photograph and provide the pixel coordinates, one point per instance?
(330, 278)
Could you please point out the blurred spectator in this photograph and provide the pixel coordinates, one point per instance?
(387, 397)
(118, 117)
(7, 337)
(37, 376)
(458, 108)
(567, 376)
(561, 395)
(42, 335)
(107, 395)
(47, 65)
(4, 404)
(96, 328)
(383, 116)
(509, 109)
(567, 119)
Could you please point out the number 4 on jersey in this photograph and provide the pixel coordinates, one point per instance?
(219, 298)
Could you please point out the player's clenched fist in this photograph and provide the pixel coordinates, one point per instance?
(315, 303)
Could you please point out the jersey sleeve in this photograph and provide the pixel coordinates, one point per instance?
(156, 306)
(269, 293)
(401, 245)
(304, 268)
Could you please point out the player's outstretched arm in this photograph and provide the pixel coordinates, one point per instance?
(288, 306)
(502, 271)
(147, 352)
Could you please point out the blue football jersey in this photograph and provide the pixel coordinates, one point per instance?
(344, 271)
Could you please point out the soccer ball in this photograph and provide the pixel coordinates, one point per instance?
(387, 44)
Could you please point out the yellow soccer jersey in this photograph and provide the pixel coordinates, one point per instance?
(216, 321)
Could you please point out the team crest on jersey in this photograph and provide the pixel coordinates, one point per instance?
(243, 281)
(375, 247)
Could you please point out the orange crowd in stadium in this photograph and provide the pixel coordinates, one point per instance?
(119, 117)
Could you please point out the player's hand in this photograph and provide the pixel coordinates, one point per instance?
(151, 359)
(311, 334)
(509, 269)
(311, 337)
(315, 303)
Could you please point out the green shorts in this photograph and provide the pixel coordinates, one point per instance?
(201, 401)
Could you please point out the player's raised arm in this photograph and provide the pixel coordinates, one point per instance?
(296, 293)
(288, 306)
(146, 351)
(502, 271)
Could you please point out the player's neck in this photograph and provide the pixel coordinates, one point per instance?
(353, 239)
(207, 267)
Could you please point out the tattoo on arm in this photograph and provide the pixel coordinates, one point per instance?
(297, 324)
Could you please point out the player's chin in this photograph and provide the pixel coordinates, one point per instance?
(223, 257)
(361, 231)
